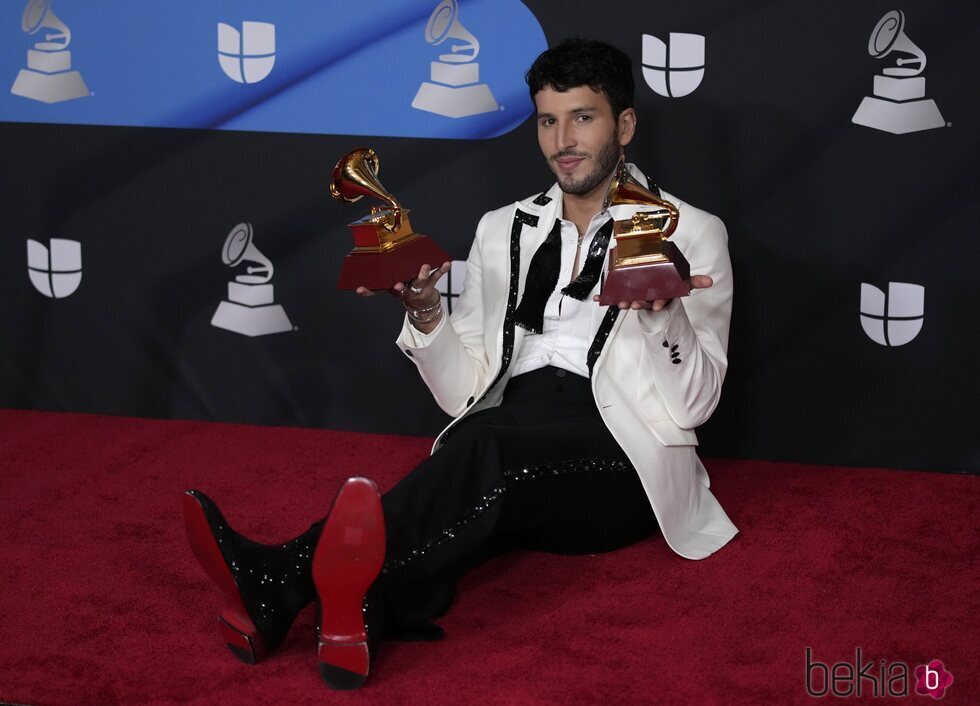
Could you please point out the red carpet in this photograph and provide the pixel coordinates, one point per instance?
(103, 603)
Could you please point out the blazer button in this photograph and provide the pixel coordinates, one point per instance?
(408, 353)
(469, 402)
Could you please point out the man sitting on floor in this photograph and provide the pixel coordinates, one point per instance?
(573, 426)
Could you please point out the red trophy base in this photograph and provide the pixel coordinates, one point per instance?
(646, 282)
(382, 270)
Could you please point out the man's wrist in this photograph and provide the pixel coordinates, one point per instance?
(429, 323)
(425, 314)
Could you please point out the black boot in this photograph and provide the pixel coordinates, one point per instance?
(265, 586)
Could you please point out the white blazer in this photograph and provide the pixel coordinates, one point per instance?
(650, 404)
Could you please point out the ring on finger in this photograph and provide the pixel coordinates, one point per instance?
(414, 290)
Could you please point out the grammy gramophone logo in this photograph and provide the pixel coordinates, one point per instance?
(48, 77)
(455, 89)
(250, 309)
(899, 104)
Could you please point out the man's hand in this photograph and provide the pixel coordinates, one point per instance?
(418, 295)
(697, 282)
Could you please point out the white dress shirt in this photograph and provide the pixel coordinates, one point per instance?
(565, 337)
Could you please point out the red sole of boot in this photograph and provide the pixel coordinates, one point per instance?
(346, 562)
(237, 628)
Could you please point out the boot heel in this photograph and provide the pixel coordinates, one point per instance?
(343, 666)
(242, 638)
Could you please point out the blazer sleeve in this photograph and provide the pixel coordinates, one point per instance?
(453, 360)
(685, 346)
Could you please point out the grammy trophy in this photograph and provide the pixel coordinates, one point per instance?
(645, 265)
(386, 249)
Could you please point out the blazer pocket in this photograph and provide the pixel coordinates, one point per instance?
(669, 434)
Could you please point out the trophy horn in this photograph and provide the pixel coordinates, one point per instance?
(624, 189)
(356, 175)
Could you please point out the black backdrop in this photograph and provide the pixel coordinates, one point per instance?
(814, 204)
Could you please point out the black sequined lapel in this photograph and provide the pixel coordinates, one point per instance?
(612, 313)
(602, 335)
(521, 219)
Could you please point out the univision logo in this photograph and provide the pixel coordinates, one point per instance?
(247, 56)
(55, 272)
(676, 70)
(893, 318)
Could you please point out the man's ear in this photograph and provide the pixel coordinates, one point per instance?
(626, 126)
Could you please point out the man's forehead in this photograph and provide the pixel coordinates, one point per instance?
(572, 99)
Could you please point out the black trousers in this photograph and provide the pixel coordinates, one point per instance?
(541, 471)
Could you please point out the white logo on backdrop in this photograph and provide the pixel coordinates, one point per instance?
(455, 90)
(676, 70)
(250, 309)
(48, 77)
(895, 318)
(247, 56)
(899, 104)
(451, 284)
(55, 272)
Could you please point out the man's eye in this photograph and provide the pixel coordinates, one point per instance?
(548, 121)
(584, 118)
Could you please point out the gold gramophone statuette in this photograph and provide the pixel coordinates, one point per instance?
(386, 249)
(644, 265)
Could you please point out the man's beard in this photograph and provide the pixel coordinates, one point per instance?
(605, 161)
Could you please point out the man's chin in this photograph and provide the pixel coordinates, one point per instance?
(576, 188)
(568, 184)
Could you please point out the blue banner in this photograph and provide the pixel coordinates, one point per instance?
(403, 68)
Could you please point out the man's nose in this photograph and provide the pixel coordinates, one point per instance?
(565, 136)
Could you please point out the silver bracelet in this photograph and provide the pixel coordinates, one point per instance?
(426, 310)
(416, 316)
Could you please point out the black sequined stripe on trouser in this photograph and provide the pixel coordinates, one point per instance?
(540, 472)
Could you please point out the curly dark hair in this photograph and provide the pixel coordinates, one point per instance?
(585, 62)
